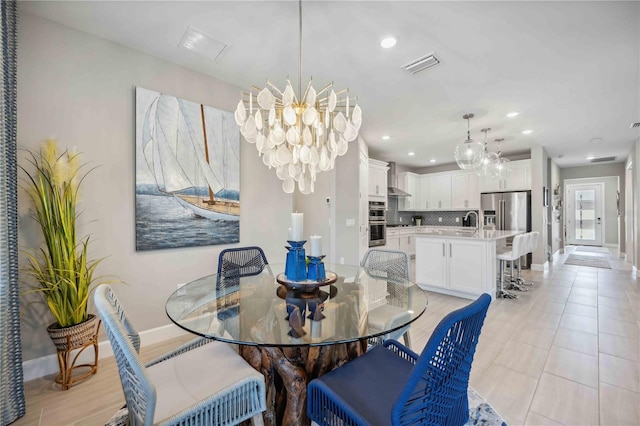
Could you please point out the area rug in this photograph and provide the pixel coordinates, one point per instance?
(592, 261)
(593, 249)
(481, 413)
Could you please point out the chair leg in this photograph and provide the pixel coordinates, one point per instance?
(513, 284)
(521, 280)
(503, 293)
(407, 339)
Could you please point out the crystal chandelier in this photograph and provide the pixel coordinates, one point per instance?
(487, 166)
(298, 135)
(468, 154)
(502, 166)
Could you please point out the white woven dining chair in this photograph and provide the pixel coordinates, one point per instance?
(390, 265)
(202, 382)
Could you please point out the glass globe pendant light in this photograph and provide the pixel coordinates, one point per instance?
(487, 164)
(468, 154)
(502, 167)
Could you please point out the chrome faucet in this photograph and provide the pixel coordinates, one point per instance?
(466, 217)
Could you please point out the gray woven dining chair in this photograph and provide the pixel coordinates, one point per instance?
(242, 262)
(390, 265)
(202, 382)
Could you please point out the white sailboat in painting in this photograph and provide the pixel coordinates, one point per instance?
(197, 172)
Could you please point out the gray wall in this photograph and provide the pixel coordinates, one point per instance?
(557, 234)
(341, 186)
(612, 231)
(538, 211)
(80, 89)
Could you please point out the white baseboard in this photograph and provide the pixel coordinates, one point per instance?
(556, 255)
(611, 245)
(539, 267)
(47, 365)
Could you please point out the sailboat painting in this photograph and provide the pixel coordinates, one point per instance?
(187, 173)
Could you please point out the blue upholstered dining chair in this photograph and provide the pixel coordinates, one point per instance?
(391, 265)
(202, 382)
(393, 385)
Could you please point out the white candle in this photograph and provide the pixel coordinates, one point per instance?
(296, 226)
(316, 246)
(290, 236)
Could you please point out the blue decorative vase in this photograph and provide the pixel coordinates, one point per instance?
(316, 270)
(296, 267)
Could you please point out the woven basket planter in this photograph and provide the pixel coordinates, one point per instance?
(79, 334)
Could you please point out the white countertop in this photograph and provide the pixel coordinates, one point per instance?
(466, 233)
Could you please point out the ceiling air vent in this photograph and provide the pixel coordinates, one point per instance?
(637, 124)
(421, 64)
(602, 159)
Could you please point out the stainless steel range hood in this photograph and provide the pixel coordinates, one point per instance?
(392, 181)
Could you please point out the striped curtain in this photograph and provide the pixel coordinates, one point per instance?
(12, 404)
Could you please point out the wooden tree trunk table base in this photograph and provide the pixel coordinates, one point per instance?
(288, 371)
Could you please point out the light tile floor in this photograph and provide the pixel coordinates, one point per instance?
(565, 352)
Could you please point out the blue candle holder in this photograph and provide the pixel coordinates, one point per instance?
(296, 267)
(316, 270)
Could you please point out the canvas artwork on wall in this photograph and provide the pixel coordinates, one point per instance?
(187, 173)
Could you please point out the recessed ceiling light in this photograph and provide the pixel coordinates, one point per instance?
(591, 157)
(596, 140)
(433, 160)
(386, 137)
(527, 132)
(388, 42)
(513, 114)
(412, 153)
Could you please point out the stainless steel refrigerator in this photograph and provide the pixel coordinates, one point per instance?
(507, 211)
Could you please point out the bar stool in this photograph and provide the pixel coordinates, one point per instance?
(517, 247)
(527, 248)
(533, 245)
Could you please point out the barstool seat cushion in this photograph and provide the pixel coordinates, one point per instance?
(506, 255)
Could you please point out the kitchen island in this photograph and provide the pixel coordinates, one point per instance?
(459, 262)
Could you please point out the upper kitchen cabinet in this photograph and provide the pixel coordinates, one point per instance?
(439, 191)
(410, 183)
(465, 191)
(377, 180)
(518, 179)
(425, 193)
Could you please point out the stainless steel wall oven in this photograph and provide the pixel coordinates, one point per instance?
(377, 223)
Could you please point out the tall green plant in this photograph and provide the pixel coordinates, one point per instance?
(62, 269)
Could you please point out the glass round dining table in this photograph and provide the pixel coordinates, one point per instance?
(293, 332)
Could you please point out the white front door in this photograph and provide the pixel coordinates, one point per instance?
(584, 214)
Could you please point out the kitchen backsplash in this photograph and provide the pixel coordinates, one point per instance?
(428, 217)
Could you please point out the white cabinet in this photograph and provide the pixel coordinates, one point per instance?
(393, 240)
(425, 193)
(402, 240)
(465, 191)
(432, 267)
(455, 266)
(520, 176)
(409, 182)
(407, 241)
(377, 180)
(518, 179)
(440, 191)
(465, 261)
